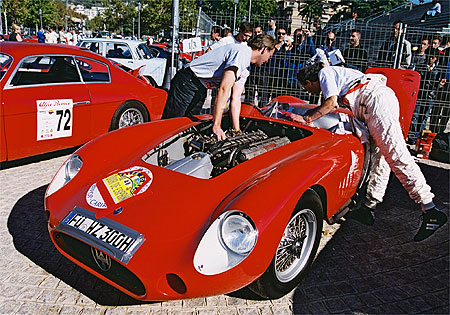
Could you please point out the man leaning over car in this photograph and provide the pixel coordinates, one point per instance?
(220, 68)
(376, 105)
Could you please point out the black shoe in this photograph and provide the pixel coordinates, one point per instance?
(363, 214)
(430, 222)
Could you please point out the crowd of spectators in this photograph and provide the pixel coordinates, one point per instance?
(296, 49)
(49, 36)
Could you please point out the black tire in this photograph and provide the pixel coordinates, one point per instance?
(128, 114)
(298, 245)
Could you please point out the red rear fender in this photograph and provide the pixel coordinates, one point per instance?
(405, 84)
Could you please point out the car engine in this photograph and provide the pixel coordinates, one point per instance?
(197, 152)
(235, 149)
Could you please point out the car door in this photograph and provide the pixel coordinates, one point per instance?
(154, 66)
(106, 96)
(121, 53)
(46, 106)
(94, 46)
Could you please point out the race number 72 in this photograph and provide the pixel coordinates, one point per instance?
(67, 118)
(54, 119)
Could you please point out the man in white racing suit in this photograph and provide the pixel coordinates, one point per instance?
(375, 105)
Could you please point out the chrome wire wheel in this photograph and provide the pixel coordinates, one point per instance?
(131, 116)
(296, 245)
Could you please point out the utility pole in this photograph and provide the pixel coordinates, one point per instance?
(197, 28)
(1, 24)
(234, 20)
(40, 16)
(170, 67)
(67, 12)
(249, 10)
(139, 20)
(6, 23)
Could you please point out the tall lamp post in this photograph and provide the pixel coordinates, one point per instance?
(133, 26)
(6, 21)
(139, 20)
(234, 20)
(40, 16)
(66, 15)
(197, 28)
(1, 24)
(249, 10)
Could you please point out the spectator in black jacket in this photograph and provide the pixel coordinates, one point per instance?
(388, 50)
(355, 56)
(431, 82)
(420, 57)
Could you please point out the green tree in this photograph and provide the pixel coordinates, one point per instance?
(95, 24)
(49, 13)
(156, 15)
(116, 15)
(263, 8)
(311, 10)
(16, 12)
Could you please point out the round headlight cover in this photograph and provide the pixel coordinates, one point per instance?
(68, 170)
(73, 166)
(238, 233)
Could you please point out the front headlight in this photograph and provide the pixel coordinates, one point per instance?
(238, 234)
(226, 243)
(67, 171)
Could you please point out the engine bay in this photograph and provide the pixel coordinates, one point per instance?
(197, 152)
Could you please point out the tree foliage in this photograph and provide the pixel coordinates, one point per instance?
(26, 13)
(156, 15)
(311, 10)
(226, 7)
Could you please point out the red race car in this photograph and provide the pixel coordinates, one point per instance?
(175, 213)
(56, 97)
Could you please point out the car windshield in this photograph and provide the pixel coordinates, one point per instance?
(145, 52)
(5, 63)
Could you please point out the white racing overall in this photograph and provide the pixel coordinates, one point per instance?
(375, 104)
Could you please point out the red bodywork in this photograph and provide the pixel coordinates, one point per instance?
(177, 209)
(405, 84)
(94, 102)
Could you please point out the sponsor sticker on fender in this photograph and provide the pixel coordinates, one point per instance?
(54, 119)
(128, 183)
(94, 198)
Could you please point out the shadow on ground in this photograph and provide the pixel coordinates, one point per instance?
(380, 269)
(28, 226)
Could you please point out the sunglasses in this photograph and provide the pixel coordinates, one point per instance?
(280, 33)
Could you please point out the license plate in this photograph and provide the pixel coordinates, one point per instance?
(105, 234)
(102, 232)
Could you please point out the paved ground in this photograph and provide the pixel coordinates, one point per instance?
(359, 269)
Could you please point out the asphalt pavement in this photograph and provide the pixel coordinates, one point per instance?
(358, 270)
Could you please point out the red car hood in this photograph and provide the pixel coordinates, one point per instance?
(167, 193)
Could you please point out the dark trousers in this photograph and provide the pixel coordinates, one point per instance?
(186, 95)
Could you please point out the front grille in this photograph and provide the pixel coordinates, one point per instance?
(116, 273)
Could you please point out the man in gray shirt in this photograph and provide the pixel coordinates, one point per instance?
(220, 68)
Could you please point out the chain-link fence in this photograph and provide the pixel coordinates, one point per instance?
(379, 46)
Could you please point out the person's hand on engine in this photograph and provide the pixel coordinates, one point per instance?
(219, 132)
(297, 118)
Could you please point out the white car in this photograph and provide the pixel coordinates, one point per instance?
(130, 53)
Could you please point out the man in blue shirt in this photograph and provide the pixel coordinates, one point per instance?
(41, 35)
